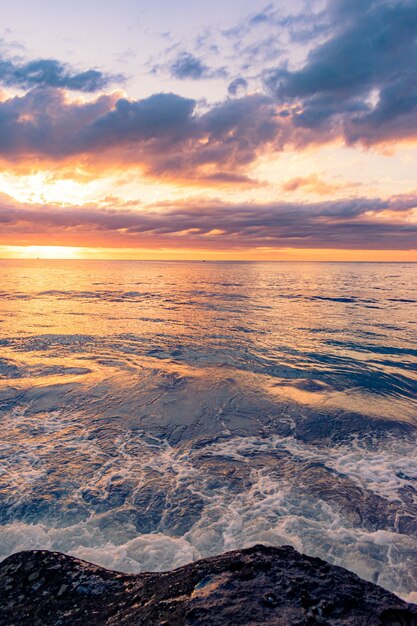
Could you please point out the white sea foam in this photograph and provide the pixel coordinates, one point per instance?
(260, 507)
(383, 471)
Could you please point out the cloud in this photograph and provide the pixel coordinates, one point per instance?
(360, 82)
(52, 73)
(163, 134)
(186, 66)
(313, 183)
(270, 28)
(358, 223)
(237, 86)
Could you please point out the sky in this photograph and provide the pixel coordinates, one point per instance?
(238, 130)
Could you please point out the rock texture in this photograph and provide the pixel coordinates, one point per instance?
(260, 585)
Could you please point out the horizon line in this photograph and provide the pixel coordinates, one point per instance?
(77, 260)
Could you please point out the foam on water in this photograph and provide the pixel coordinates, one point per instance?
(384, 471)
(132, 502)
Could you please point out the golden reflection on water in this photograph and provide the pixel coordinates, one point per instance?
(285, 323)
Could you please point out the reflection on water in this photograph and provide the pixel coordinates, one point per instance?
(154, 413)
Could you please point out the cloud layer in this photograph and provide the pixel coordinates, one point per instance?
(358, 223)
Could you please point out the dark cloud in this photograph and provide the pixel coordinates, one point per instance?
(163, 134)
(350, 223)
(189, 67)
(52, 73)
(237, 85)
(164, 117)
(361, 81)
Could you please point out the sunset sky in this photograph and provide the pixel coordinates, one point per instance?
(238, 129)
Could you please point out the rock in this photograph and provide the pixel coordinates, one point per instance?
(259, 585)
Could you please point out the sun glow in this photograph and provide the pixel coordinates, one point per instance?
(44, 252)
(206, 254)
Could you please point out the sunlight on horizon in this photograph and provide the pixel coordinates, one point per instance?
(198, 254)
(41, 252)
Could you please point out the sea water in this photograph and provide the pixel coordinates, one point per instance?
(154, 413)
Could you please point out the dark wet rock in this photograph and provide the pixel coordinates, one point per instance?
(259, 585)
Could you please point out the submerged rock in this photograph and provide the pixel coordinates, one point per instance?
(259, 585)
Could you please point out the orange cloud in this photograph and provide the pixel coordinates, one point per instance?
(315, 184)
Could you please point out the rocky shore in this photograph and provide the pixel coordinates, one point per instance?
(259, 585)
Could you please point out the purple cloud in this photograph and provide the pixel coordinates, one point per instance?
(349, 223)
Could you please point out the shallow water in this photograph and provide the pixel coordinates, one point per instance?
(155, 413)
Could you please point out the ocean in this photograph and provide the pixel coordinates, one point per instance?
(153, 413)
